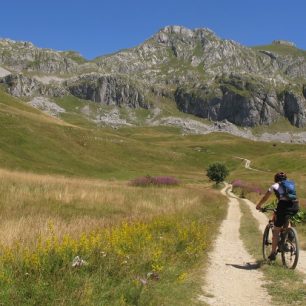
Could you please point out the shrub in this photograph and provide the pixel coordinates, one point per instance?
(245, 187)
(217, 172)
(155, 181)
(300, 217)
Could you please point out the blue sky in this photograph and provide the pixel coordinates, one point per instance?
(95, 27)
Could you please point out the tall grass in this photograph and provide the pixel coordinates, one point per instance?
(29, 201)
(141, 245)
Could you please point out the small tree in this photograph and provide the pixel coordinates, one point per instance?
(217, 172)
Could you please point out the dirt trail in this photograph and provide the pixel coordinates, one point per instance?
(232, 277)
(247, 164)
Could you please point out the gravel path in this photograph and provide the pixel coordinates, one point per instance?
(247, 164)
(232, 277)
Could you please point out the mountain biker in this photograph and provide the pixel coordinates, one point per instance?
(285, 209)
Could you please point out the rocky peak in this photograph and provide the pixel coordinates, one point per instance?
(284, 43)
(184, 33)
(178, 30)
(24, 56)
(203, 74)
(13, 43)
(174, 35)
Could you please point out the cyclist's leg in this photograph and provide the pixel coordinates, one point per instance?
(276, 231)
(279, 221)
(286, 221)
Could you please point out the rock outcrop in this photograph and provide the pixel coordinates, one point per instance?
(4, 72)
(107, 89)
(244, 104)
(20, 85)
(24, 56)
(47, 106)
(295, 108)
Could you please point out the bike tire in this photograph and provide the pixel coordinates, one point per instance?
(290, 249)
(267, 242)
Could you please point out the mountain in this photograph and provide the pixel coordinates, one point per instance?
(194, 70)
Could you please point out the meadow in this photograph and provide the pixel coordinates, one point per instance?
(141, 246)
(65, 192)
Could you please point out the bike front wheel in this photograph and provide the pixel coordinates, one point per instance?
(290, 249)
(267, 242)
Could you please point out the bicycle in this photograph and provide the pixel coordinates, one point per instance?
(288, 244)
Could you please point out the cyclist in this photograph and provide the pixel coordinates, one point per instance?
(285, 209)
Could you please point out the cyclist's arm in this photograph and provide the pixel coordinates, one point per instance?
(264, 199)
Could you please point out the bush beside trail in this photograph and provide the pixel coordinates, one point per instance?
(242, 188)
(217, 172)
(148, 180)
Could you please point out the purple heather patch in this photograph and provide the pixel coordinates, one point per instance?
(246, 186)
(155, 181)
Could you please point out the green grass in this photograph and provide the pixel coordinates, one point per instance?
(284, 285)
(46, 145)
(71, 103)
(32, 141)
(111, 280)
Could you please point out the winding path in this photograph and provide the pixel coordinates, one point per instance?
(232, 277)
(248, 163)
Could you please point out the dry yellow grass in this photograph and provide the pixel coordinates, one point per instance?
(29, 202)
(125, 234)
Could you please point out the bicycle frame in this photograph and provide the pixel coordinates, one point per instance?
(287, 246)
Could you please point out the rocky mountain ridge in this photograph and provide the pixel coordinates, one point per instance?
(201, 73)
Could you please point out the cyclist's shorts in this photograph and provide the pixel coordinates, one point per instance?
(285, 210)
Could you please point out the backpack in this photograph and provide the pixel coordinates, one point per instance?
(289, 189)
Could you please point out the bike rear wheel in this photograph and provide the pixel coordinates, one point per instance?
(267, 242)
(290, 249)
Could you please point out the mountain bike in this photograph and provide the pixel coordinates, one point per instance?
(288, 243)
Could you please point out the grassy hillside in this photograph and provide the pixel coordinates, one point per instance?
(33, 141)
(65, 192)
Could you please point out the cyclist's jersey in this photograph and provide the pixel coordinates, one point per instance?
(278, 190)
(284, 208)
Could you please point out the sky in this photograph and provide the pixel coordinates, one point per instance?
(95, 28)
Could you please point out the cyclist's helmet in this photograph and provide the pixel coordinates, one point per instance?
(280, 176)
